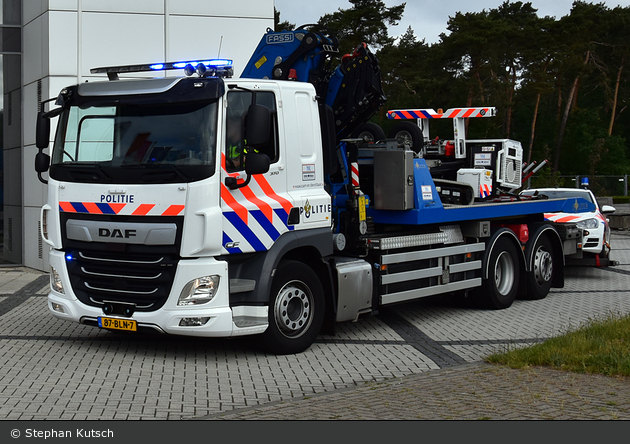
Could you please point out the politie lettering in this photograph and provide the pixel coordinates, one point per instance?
(117, 198)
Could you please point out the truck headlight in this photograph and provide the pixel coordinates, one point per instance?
(55, 281)
(199, 291)
(588, 224)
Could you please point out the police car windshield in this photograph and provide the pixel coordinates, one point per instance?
(163, 142)
(560, 194)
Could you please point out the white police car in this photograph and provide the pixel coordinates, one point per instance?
(594, 225)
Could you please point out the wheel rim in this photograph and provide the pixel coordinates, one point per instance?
(367, 136)
(403, 138)
(504, 273)
(543, 266)
(293, 309)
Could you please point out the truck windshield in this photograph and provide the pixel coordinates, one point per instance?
(136, 143)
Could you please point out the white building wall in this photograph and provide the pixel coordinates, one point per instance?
(64, 39)
(12, 152)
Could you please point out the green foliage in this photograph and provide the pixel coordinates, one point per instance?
(559, 84)
(589, 150)
(366, 21)
(601, 346)
(548, 179)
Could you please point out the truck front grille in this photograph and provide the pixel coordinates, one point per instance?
(121, 274)
(143, 280)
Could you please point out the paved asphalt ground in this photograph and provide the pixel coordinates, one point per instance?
(421, 360)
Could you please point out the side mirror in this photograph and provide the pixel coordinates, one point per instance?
(42, 163)
(608, 209)
(257, 163)
(42, 131)
(257, 126)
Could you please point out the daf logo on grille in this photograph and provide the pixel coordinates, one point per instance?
(121, 232)
(126, 234)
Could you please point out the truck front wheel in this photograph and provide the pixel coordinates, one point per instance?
(296, 309)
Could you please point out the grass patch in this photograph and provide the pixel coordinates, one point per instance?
(600, 346)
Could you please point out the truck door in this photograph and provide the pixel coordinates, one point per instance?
(257, 214)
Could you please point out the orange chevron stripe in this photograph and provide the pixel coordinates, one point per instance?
(269, 192)
(262, 205)
(67, 207)
(143, 210)
(454, 113)
(231, 202)
(117, 207)
(407, 114)
(173, 210)
(240, 210)
(92, 208)
(567, 219)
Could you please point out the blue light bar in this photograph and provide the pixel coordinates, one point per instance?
(218, 62)
(215, 63)
(215, 67)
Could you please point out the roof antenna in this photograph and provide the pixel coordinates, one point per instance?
(220, 44)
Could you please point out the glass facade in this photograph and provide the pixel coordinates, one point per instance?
(10, 71)
(46, 46)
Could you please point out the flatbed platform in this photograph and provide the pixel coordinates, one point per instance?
(429, 209)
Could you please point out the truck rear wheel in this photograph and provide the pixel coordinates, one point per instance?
(296, 309)
(500, 288)
(540, 277)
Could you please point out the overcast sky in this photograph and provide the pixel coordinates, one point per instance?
(426, 17)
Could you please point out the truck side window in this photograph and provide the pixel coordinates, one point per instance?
(236, 147)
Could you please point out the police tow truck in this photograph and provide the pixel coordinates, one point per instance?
(214, 206)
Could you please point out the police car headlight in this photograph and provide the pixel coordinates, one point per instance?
(199, 291)
(55, 281)
(588, 224)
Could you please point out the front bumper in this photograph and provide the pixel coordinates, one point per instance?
(168, 319)
(593, 240)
